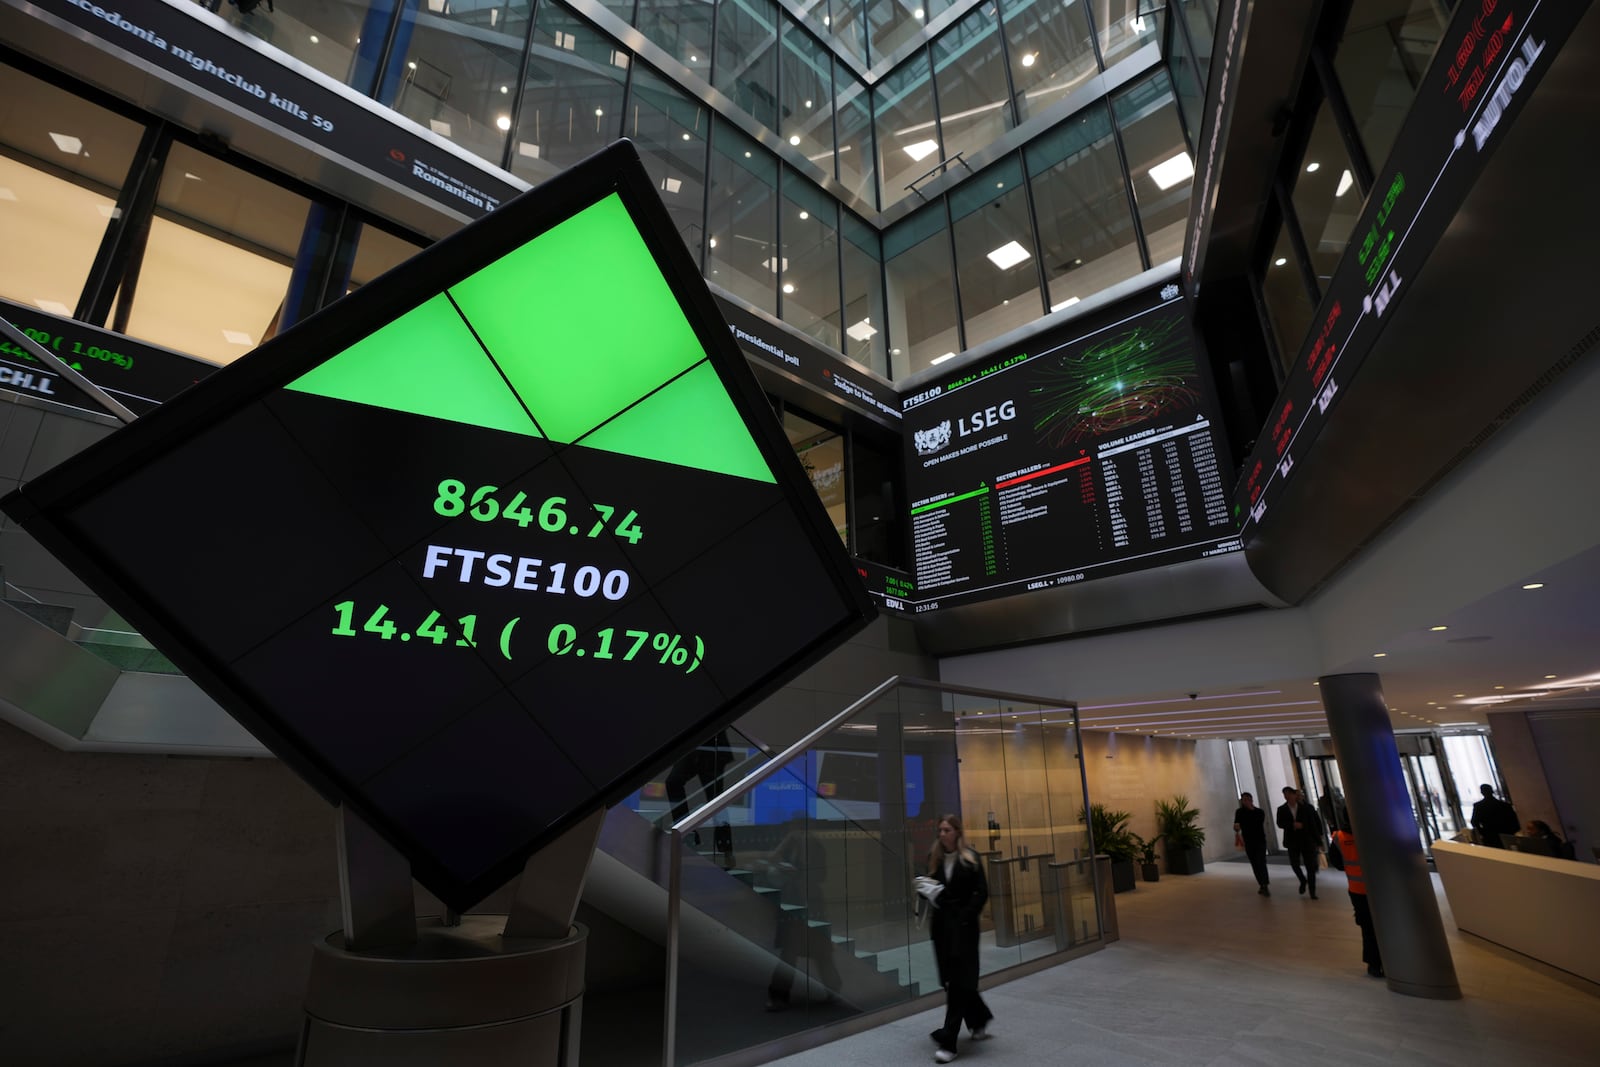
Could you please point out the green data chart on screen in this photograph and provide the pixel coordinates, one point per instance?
(478, 547)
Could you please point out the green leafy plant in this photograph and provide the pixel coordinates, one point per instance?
(1178, 823)
(1145, 849)
(1111, 833)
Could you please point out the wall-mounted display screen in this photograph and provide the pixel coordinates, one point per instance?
(1095, 452)
(480, 546)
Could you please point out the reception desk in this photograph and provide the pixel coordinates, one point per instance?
(1545, 908)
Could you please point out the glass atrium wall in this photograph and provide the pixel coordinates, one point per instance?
(836, 109)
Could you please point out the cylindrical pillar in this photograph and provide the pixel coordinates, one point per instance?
(464, 995)
(1405, 913)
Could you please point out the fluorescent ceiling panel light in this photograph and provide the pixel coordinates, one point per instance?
(234, 337)
(936, 360)
(67, 143)
(1166, 174)
(918, 152)
(1345, 182)
(862, 331)
(440, 127)
(1009, 255)
(671, 185)
(528, 148)
(774, 264)
(1068, 302)
(55, 307)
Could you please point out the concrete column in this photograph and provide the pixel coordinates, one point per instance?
(1405, 913)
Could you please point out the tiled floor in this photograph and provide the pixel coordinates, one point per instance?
(1208, 972)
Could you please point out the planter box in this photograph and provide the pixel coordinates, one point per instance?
(1187, 861)
(1122, 876)
(1151, 872)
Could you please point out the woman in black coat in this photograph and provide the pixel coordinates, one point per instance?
(956, 888)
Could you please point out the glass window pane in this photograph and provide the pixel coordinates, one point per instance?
(1086, 236)
(742, 251)
(1202, 34)
(971, 80)
(821, 452)
(344, 39)
(908, 135)
(996, 263)
(669, 129)
(879, 493)
(1386, 46)
(864, 338)
(747, 57)
(921, 291)
(1125, 26)
(849, 28)
(809, 289)
(1289, 307)
(62, 164)
(813, 15)
(1326, 199)
(1191, 89)
(893, 25)
(221, 232)
(682, 28)
(805, 113)
(458, 77)
(572, 95)
(1159, 164)
(857, 164)
(1051, 51)
(377, 251)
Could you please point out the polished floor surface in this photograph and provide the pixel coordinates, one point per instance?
(1208, 972)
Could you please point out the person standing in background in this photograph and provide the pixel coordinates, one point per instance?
(1358, 901)
(1250, 834)
(1492, 817)
(1302, 837)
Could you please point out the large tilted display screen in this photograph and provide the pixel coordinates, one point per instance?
(1095, 452)
(483, 544)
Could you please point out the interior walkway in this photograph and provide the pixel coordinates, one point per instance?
(1208, 972)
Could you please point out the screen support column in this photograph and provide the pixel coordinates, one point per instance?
(1405, 913)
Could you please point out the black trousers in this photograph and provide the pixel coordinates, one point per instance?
(1306, 856)
(1257, 851)
(1369, 937)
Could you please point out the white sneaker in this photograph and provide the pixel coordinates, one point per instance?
(981, 1034)
(944, 1055)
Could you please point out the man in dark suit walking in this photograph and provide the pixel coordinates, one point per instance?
(1492, 817)
(1302, 837)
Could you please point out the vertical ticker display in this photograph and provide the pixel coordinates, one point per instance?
(1094, 453)
(474, 548)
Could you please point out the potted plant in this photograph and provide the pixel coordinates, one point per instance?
(1147, 857)
(1113, 839)
(1179, 825)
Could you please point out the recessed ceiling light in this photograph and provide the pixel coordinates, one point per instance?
(936, 360)
(804, 215)
(1459, 695)
(1313, 167)
(599, 111)
(1345, 182)
(808, 103)
(788, 287)
(504, 89)
(917, 14)
(67, 143)
(1009, 255)
(1028, 59)
(1534, 585)
(1280, 261)
(1169, 172)
(1549, 676)
(313, 38)
(686, 137)
(794, 139)
(1379, 655)
(1499, 687)
(503, 122)
(1437, 629)
(921, 150)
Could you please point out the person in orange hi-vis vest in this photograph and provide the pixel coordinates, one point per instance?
(1358, 900)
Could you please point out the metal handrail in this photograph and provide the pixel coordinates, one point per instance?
(698, 817)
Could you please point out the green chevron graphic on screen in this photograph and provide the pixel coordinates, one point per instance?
(426, 362)
(691, 422)
(580, 320)
(581, 323)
